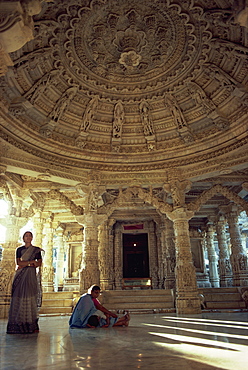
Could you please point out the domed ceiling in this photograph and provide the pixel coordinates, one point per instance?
(123, 86)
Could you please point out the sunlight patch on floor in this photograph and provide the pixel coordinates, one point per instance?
(230, 357)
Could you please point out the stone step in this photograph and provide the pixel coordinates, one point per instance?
(225, 305)
(57, 302)
(55, 310)
(138, 305)
(58, 295)
(136, 299)
(222, 297)
(140, 292)
(219, 290)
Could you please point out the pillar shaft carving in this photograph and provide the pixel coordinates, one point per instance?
(90, 273)
(169, 255)
(47, 265)
(238, 258)
(158, 230)
(153, 259)
(7, 264)
(106, 256)
(187, 299)
(59, 282)
(225, 268)
(118, 263)
(212, 257)
(38, 223)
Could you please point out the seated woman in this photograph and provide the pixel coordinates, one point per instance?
(85, 308)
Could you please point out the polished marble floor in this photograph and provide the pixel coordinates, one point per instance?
(164, 341)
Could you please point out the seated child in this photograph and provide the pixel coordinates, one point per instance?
(95, 320)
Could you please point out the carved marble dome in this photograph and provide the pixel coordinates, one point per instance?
(133, 90)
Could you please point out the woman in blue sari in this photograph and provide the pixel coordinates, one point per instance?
(26, 289)
(88, 305)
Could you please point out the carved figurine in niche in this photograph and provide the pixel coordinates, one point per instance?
(40, 86)
(119, 118)
(175, 110)
(89, 114)
(145, 113)
(93, 199)
(201, 98)
(62, 103)
(225, 81)
(32, 59)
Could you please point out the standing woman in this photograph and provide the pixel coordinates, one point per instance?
(26, 289)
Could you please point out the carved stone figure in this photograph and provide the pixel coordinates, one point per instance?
(62, 103)
(89, 114)
(119, 118)
(201, 98)
(175, 110)
(146, 119)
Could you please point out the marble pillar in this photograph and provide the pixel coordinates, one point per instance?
(238, 257)
(158, 233)
(153, 253)
(89, 273)
(212, 257)
(105, 256)
(38, 222)
(169, 255)
(225, 269)
(47, 265)
(118, 260)
(187, 298)
(13, 225)
(59, 277)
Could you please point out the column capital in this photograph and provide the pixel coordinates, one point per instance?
(178, 188)
(180, 214)
(91, 219)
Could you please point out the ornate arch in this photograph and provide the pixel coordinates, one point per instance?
(55, 194)
(208, 194)
(140, 193)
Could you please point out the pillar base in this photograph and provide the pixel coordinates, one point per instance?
(188, 306)
(47, 287)
(4, 305)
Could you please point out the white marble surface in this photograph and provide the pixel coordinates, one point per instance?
(165, 341)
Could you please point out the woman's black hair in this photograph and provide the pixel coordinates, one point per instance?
(93, 321)
(94, 287)
(27, 232)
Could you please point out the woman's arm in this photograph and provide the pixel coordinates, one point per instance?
(103, 309)
(32, 263)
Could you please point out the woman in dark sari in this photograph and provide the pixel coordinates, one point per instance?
(26, 289)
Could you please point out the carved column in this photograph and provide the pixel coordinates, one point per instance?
(38, 227)
(212, 257)
(238, 257)
(170, 255)
(67, 260)
(59, 277)
(105, 256)
(90, 273)
(225, 269)
(47, 266)
(13, 225)
(187, 299)
(153, 254)
(159, 232)
(118, 260)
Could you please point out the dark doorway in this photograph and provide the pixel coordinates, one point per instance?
(135, 256)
